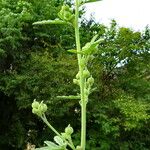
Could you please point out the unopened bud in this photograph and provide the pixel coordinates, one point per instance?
(35, 111)
(43, 108)
(66, 13)
(86, 73)
(65, 136)
(75, 81)
(35, 104)
(69, 130)
(38, 108)
(90, 81)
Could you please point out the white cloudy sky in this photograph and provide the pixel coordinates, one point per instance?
(128, 13)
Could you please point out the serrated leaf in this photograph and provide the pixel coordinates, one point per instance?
(69, 97)
(56, 21)
(59, 141)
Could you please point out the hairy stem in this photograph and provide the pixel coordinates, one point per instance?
(82, 80)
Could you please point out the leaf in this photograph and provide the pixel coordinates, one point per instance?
(74, 51)
(69, 97)
(52, 146)
(94, 38)
(99, 41)
(43, 148)
(91, 47)
(56, 21)
(59, 141)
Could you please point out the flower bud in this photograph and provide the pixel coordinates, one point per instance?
(35, 111)
(86, 73)
(66, 13)
(90, 81)
(69, 130)
(67, 16)
(38, 108)
(35, 104)
(65, 136)
(75, 81)
(43, 108)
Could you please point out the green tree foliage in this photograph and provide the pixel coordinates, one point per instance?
(120, 105)
(34, 64)
(29, 58)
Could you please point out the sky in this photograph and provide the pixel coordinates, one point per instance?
(134, 14)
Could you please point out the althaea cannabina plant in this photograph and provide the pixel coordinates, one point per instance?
(83, 79)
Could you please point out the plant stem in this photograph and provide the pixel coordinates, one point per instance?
(56, 132)
(82, 80)
(49, 125)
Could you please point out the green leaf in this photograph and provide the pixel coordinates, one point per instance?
(94, 38)
(91, 47)
(59, 141)
(69, 97)
(56, 21)
(43, 148)
(52, 146)
(74, 51)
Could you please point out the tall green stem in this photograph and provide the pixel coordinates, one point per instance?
(82, 80)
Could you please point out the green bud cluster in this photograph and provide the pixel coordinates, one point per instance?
(68, 131)
(66, 14)
(38, 108)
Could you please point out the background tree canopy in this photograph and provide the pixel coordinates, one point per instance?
(34, 64)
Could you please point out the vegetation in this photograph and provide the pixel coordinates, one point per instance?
(35, 64)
